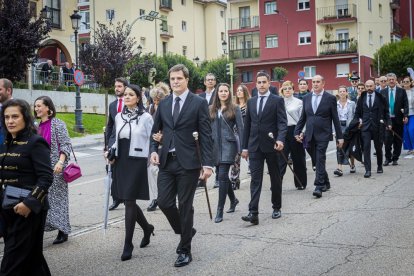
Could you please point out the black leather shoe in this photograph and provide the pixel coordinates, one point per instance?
(380, 170)
(253, 219)
(183, 259)
(276, 214)
(387, 162)
(153, 206)
(114, 205)
(127, 253)
(61, 238)
(367, 174)
(300, 188)
(317, 193)
(395, 163)
(193, 232)
(147, 236)
(233, 206)
(219, 216)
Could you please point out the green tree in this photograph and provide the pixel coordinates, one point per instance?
(280, 72)
(218, 68)
(195, 76)
(395, 57)
(138, 69)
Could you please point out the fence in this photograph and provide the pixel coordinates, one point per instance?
(42, 79)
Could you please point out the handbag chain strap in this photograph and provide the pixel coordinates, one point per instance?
(70, 144)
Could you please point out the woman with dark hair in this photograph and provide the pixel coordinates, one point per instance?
(132, 136)
(55, 133)
(25, 162)
(303, 89)
(242, 95)
(227, 129)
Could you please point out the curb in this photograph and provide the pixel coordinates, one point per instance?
(78, 146)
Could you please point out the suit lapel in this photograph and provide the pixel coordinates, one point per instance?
(185, 106)
(212, 98)
(254, 106)
(267, 105)
(168, 109)
(323, 99)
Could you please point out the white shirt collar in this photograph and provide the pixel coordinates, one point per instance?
(183, 96)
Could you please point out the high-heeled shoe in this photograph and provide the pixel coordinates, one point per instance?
(147, 235)
(127, 253)
(61, 238)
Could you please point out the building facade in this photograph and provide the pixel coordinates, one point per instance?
(307, 37)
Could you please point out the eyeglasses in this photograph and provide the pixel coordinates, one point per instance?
(383, 81)
(210, 79)
(287, 88)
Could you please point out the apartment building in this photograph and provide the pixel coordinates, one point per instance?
(308, 37)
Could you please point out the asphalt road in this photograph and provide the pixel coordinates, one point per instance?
(360, 227)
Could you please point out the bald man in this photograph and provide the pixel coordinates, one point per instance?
(372, 108)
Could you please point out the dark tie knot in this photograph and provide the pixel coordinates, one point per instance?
(177, 99)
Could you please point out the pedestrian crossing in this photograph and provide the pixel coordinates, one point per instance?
(88, 152)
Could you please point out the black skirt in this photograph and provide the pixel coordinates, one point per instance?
(130, 179)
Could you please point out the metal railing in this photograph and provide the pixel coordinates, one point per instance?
(59, 81)
(340, 46)
(245, 53)
(243, 22)
(168, 31)
(336, 12)
(165, 4)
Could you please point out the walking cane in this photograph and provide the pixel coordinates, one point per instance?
(195, 135)
(284, 157)
(392, 131)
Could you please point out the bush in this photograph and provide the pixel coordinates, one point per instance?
(38, 87)
(48, 87)
(62, 87)
(72, 88)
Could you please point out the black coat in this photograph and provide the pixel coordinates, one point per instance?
(272, 90)
(112, 110)
(400, 103)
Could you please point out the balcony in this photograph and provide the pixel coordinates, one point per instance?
(243, 23)
(395, 27)
(166, 5)
(338, 47)
(395, 4)
(245, 53)
(336, 14)
(167, 33)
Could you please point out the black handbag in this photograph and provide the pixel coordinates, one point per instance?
(13, 196)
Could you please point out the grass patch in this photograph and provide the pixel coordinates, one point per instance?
(92, 123)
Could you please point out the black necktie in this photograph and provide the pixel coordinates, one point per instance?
(176, 110)
(261, 106)
(370, 101)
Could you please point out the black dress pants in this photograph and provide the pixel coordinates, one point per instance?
(367, 136)
(256, 169)
(393, 142)
(321, 176)
(173, 181)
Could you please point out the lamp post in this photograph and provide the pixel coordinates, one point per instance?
(287, 29)
(224, 47)
(197, 61)
(76, 20)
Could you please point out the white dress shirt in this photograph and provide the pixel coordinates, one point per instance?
(266, 96)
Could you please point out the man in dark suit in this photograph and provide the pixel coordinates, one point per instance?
(265, 113)
(371, 109)
(397, 100)
(318, 113)
(114, 108)
(273, 90)
(210, 83)
(178, 116)
(47, 70)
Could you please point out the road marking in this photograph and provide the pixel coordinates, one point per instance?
(409, 156)
(81, 154)
(87, 182)
(97, 148)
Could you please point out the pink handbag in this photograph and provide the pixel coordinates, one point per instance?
(72, 171)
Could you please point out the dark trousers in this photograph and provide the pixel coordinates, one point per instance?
(392, 141)
(23, 244)
(298, 155)
(367, 136)
(256, 169)
(319, 150)
(225, 187)
(173, 181)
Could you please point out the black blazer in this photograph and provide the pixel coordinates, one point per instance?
(203, 95)
(319, 124)
(193, 116)
(401, 102)
(112, 110)
(256, 130)
(272, 89)
(371, 118)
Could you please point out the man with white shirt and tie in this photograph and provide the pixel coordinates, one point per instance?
(318, 113)
(210, 83)
(265, 114)
(398, 106)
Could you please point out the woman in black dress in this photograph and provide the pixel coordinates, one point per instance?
(133, 129)
(25, 166)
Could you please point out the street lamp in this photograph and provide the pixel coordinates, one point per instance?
(76, 21)
(139, 48)
(46, 13)
(197, 61)
(224, 47)
(287, 29)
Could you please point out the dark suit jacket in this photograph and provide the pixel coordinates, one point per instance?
(112, 110)
(256, 130)
(272, 89)
(203, 95)
(319, 124)
(371, 118)
(193, 116)
(400, 102)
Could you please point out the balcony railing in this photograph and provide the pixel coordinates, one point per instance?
(167, 32)
(245, 53)
(166, 5)
(336, 13)
(243, 23)
(396, 28)
(340, 46)
(395, 4)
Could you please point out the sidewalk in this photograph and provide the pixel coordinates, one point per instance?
(93, 140)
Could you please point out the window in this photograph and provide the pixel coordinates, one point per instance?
(164, 48)
(270, 7)
(370, 41)
(272, 41)
(141, 12)
(304, 38)
(303, 5)
(83, 1)
(247, 76)
(110, 15)
(370, 5)
(342, 36)
(184, 26)
(184, 50)
(310, 71)
(221, 13)
(342, 70)
(183, 2)
(244, 17)
(85, 21)
(54, 6)
(222, 37)
(380, 10)
(381, 40)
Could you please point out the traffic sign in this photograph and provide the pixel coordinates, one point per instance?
(79, 77)
(301, 74)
